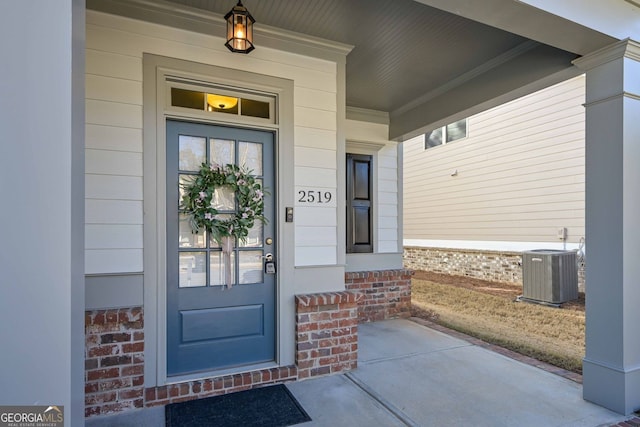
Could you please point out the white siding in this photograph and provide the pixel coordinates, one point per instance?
(520, 174)
(115, 48)
(386, 179)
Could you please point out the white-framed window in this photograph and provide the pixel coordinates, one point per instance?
(223, 103)
(449, 133)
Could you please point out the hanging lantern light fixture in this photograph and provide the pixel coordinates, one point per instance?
(239, 29)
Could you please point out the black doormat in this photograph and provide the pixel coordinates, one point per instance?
(272, 406)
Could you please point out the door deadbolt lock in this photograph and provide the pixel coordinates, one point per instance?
(269, 264)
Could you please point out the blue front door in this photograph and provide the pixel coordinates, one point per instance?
(210, 326)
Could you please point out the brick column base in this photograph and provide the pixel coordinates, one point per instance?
(326, 333)
(114, 368)
(114, 360)
(387, 293)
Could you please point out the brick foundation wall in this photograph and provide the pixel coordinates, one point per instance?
(114, 360)
(326, 343)
(387, 293)
(174, 393)
(486, 265)
(327, 333)
(114, 368)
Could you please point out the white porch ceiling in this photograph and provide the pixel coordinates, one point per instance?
(424, 65)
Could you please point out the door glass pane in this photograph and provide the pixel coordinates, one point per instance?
(183, 180)
(192, 152)
(250, 267)
(223, 199)
(254, 239)
(251, 156)
(221, 152)
(216, 268)
(193, 269)
(189, 239)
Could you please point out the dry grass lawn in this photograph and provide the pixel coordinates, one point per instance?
(548, 334)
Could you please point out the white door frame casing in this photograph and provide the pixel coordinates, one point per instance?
(156, 70)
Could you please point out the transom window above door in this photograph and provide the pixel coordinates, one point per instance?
(219, 101)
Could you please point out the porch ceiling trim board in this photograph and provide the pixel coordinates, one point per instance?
(521, 76)
(503, 58)
(206, 22)
(627, 48)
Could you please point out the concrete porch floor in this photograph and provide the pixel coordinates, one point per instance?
(411, 375)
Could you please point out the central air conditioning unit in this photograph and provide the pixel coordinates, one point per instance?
(549, 276)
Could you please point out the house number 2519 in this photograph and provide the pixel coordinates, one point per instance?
(314, 196)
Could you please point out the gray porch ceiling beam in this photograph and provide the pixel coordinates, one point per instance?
(527, 21)
(534, 69)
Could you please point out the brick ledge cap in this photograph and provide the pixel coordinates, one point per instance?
(379, 273)
(328, 298)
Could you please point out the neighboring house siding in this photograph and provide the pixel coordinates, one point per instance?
(520, 175)
(114, 213)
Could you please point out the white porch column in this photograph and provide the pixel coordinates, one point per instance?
(42, 205)
(611, 370)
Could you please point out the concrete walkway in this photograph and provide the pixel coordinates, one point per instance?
(411, 375)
